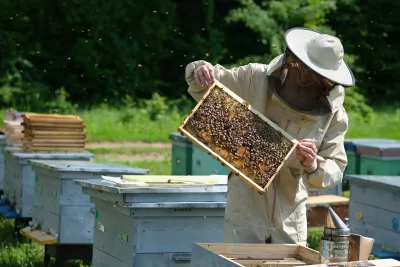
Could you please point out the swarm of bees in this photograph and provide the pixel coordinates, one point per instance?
(239, 136)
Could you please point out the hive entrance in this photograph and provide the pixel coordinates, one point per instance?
(238, 135)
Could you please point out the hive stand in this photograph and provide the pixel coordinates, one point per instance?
(63, 217)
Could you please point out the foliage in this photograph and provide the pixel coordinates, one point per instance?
(56, 53)
(355, 103)
(369, 30)
(270, 19)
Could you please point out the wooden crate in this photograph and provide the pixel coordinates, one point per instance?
(372, 263)
(266, 169)
(252, 255)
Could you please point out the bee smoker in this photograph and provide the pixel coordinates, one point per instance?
(334, 245)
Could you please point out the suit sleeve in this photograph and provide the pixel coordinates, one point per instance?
(236, 79)
(330, 173)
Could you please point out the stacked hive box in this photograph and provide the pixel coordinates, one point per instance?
(13, 131)
(51, 133)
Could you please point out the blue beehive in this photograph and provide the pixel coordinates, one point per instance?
(3, 143)
(59, 205)
(374, 209)
(153, 226)
(19, 186)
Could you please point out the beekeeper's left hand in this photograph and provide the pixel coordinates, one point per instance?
(306, 151)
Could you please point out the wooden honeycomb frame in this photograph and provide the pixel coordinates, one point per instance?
(214, 154)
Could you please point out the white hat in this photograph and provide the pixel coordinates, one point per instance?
(322, 53)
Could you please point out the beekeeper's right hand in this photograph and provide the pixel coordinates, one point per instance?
(204, 75)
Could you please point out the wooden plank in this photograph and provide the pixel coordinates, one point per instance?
(308, 255)
(60, 142)
(54, 120)
(54, 149)
(52, 124)
(38, 236)
(50, 116)
(253, 250)
(206, 179)
(332, 200)
(123, 183)
(54, 145)
(58, 129)
(270, 262)
(57, 133)
(372, 263)
(217, 156)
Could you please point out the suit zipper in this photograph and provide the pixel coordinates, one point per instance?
(274, 201)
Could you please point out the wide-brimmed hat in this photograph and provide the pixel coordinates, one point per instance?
(322, 53)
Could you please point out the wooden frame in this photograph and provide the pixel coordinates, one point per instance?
(252, 255)
(232, 168)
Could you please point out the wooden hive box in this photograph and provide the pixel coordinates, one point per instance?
(252, 255)
(241, 138)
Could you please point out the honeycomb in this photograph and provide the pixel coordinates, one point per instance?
(239, 136)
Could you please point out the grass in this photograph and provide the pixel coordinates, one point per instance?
(384, 124)
(106, 125)
(109, 125)
(135, 125)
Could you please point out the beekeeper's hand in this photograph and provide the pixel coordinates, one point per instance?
(204, 75)
(306, 151)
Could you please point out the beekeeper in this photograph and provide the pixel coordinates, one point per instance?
(302, 91)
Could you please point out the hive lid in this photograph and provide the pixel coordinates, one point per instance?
(179, 137)
(335, 224)
(353, 143)
(392, 183)
(22, 155)
(86, 166)
(380, 149)
(107, 186)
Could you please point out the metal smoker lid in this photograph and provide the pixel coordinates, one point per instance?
(334, 225)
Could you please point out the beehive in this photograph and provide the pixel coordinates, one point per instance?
(237, 135)
(154, 225)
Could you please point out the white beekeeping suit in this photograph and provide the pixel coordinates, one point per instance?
(279, 216)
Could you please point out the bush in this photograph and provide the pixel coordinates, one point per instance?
(355, 104)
